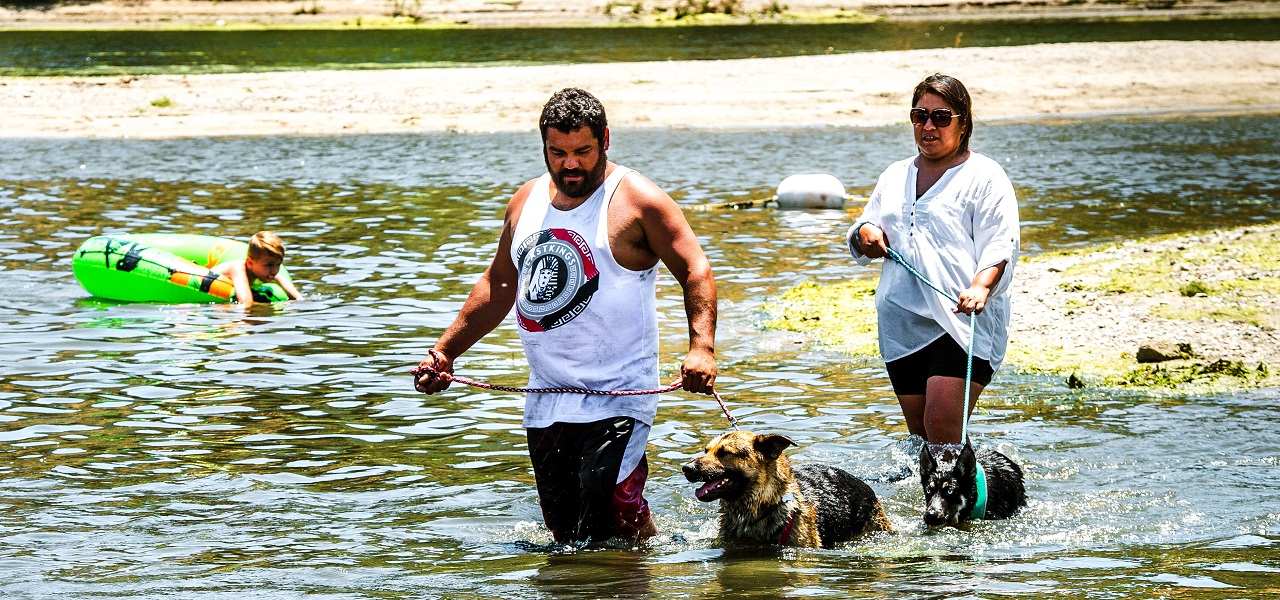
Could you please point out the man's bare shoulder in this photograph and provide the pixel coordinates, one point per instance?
(518, 199)
(526, 189)
(642, 193)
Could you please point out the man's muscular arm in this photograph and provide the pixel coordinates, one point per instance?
(487, 305)
(668, 236)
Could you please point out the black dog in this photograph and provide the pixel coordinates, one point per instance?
(952, 486)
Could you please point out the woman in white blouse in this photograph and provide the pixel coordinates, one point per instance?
(952, 215)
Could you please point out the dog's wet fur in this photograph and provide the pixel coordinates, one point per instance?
(950, 484)
(760, 493)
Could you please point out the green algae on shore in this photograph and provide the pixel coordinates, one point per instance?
(1081, 314)
(840, 316)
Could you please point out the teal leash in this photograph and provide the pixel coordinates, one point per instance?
(979, 509)
(968, 368)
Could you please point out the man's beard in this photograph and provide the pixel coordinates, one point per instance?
(589, 182)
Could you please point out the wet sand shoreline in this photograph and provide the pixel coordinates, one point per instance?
(1071, 80)
(840, 90)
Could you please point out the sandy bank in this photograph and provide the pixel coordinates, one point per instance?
(867, 89)
(1087, 313)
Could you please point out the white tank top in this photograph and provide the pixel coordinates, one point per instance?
(585, 321)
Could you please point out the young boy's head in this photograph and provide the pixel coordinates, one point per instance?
(264, 244)
(266, 253)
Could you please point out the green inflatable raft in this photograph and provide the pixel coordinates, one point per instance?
(171, 268)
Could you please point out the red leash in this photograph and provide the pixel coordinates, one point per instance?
(432, 373)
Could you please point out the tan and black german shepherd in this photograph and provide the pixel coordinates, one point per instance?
(764, 500)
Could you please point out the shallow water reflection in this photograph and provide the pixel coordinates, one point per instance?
(204, 451)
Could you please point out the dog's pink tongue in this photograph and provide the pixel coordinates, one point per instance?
(709, 488)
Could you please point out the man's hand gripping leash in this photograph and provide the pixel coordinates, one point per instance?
(435, 377)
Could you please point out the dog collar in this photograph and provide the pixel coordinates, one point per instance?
(980, 505)
(791, 520)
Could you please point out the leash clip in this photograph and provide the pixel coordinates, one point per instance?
(732, 421)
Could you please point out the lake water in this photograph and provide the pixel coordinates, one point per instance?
(204, 451)
(73, 52)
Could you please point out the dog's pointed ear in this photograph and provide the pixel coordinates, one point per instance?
(772, 445)
(927, 465)
(967, 464)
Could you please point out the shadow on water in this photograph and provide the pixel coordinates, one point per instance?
(203, 451)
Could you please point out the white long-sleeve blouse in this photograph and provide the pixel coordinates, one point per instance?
(965, 223)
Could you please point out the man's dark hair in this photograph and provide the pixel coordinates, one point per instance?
(571, 108)
(955, 94)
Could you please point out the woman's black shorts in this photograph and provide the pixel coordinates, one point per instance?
(942, 357)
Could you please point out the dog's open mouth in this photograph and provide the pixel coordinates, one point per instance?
(714, 490)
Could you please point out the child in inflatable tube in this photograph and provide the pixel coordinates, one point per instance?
(261, 264)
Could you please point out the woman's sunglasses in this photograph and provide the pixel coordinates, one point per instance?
(941, 117)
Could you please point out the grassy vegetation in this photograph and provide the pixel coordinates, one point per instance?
(1230, 314)
(311, 7)
(409, 18)
(408, 14)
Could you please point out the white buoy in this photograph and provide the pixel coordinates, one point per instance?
(810, 190)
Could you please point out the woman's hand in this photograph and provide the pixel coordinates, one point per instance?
(870, 241)
(973, 300)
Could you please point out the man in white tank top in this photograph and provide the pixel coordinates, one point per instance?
(578, 259)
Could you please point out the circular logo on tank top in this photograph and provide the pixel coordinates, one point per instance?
(558, 277)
